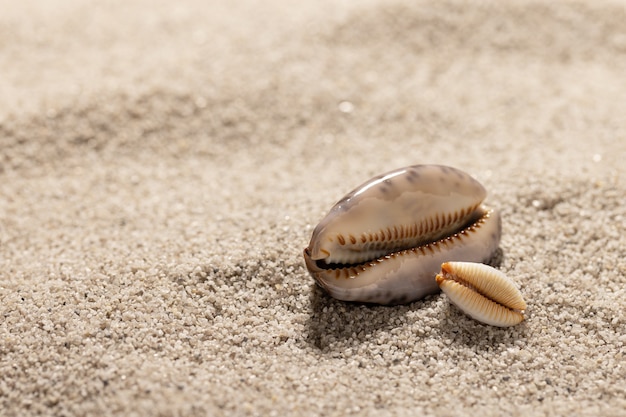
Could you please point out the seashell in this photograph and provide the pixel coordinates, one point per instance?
(384, 242)
(482, 292)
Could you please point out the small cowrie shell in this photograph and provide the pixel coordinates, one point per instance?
(482, 292)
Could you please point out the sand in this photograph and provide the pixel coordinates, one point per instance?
(162, 165)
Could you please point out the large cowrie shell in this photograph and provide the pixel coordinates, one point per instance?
(384, 241)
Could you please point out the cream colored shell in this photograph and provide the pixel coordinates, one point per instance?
(482, 292)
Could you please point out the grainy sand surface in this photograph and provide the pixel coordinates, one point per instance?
(162, 165)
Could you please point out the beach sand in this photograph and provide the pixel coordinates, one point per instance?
(163, 164)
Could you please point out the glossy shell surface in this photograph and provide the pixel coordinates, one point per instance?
(483, 293)
(384, 241)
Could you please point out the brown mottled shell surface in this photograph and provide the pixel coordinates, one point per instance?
(399, 210)
(482, 292)
(385, 241)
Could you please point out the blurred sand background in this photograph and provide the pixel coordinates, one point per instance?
(162, 165)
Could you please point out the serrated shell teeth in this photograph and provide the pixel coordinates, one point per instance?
(482, 292)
